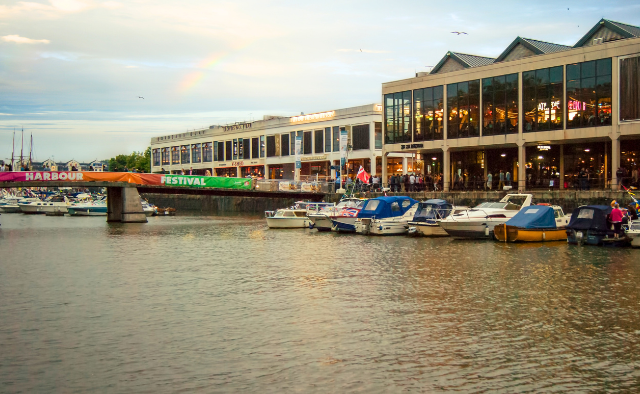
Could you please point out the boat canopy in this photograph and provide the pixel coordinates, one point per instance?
(386, 207)
(432, 210)
(534, 216)
(590, 217)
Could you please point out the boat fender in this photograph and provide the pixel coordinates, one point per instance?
(486, 231)
(544, 236)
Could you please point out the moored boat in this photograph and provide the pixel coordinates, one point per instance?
(589, 225)
(54, 203)
(478, 222)
(376, 211)
(287, 218)
(347, 208)
(535, 223)
(633, 232)
(428, 214)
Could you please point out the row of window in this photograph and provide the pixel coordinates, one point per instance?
(418, 115)
(327, 140)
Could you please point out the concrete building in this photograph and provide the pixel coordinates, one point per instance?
(553, 116)
(267, 147)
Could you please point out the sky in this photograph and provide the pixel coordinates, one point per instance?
(72, 71)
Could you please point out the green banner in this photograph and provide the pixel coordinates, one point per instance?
(206, 181)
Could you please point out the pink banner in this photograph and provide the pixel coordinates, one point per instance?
(81, 176)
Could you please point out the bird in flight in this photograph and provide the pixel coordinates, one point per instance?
(458, 32)
(141, 97)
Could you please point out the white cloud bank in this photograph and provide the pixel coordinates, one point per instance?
(23, 40)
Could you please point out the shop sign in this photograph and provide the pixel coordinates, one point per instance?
(256, 162)
(206, 181)
(237, 163)
(241, 126)
(377, 107)
(319, 115)
(311, 158)
(544, 147)
(411, 146)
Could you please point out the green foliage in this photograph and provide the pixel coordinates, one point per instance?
(141, 161)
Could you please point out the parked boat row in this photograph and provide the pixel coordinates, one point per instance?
(512, 219)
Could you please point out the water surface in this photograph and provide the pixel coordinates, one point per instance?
(223, 304)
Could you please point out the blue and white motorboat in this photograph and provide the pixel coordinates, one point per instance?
(428, 215)
(590, 225)
(385, 215)
(92, 208)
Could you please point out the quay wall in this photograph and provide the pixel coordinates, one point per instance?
(567, 199)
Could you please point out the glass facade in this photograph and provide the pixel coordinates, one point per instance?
(262, 146)
(428, 109)
(589, 94)
(240, 149)
(196, 153)
(327, 139)
(336, 138)
(306, 143)
(292, 143)
(629, 88)
(207, 152)
(318, 143)
(246, 147)
(378, 135)
(219, 151)
(156, 157)
(500, 105)
(360, 137)
(165, 156)
(228, 150)
(235, 149)
(271, 145)
(255, 148)
(463, 101)
(397, 117)
(542, 99)
(184, 154)
(285, 144)
(175, 155)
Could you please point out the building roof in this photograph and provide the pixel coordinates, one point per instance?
(536, 46)
(464, 59)
(626, 31)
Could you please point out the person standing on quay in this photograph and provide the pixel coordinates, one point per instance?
(489, 181)
(508, 177)
(501, 182)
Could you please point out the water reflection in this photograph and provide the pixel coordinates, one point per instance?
(225, 304)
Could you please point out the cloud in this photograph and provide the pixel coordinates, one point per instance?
(362, 50)
(23, 40)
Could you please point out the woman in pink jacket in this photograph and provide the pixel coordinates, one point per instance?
(616, 219)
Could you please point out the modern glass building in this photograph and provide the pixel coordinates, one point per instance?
(551, 115)
(266, 148)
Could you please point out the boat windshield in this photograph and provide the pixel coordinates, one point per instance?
(492, 205)
(372, 205)
(634, 226)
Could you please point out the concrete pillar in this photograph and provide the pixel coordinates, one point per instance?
(561, 167)
(372, 160)
(266, 172)
(405, 163)
(446, 167)
(385, 175)
(123, 205)
(615, 162)
(486, 165)
(522, 182)
(239, 172)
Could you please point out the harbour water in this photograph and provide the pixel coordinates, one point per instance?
(223, 304)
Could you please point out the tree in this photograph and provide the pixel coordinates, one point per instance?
(141, 161)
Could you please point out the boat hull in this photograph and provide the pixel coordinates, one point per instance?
(87, 211)
(596, 238)
(343, 225)
(10, 209)
(480, 229)
(37, 209)
(288, 222)
(428, 230)
(504, 233)
(321, 222)
(389, 228)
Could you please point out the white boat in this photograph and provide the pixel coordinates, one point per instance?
(148, 208)
(347, 208)
(288, 218)
(633, 231)
(89, 208)
(426, 221)
(478, 222)
(55, 203)
(10, 203)
(385, 215)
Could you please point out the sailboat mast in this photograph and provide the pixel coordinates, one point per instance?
(13, 147)
(30, 150)
(21, 149)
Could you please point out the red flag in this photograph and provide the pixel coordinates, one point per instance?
(362, 175)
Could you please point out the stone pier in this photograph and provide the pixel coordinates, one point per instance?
(123, 205)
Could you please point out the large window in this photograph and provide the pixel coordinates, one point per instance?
(318, 136)
(165, 156)
(360, 137)
(196, 153)
(463, 100)
(500, 105)
(336, 138)
(235, 149)
(378, 134)
(285, 144)
(271, 145)
(398, 117)
(156, 157)
(175, 155)
(629, 88)
(428, 110)
(216, 151)
(240, 149)
(184, 154)
(262, 146)
(542, 99)
(327, 139)
(589, 94)
(306, 143)
(207, 152)
(292, 142)
(255, 148)
(228, 150)
(246, 146)
(220, 151)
